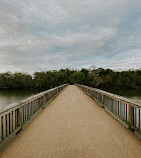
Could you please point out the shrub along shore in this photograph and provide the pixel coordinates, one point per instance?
(98, 78)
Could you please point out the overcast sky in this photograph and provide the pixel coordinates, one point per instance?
(37, 35)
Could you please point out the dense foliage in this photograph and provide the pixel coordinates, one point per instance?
(99, 78)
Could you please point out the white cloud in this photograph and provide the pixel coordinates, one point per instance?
(38, 35)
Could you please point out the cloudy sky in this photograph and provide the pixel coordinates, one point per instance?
(37, 35)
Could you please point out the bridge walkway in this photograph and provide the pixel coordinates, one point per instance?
(73, 126)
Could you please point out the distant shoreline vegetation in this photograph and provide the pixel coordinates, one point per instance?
(99, 78)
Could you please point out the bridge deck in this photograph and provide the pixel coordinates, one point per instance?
(73, 126)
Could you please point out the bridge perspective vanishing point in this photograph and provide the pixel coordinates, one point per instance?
(72, 125)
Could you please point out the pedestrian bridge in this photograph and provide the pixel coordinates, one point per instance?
(72, 125)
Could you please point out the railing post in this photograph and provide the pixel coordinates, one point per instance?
(130, 116)
(102, 99)
(19, 117)
(44, 99)
(0, 128)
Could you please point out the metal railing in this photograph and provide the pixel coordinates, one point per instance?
(126, 110)
(14, 116)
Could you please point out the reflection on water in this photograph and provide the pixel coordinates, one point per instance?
(11, 96)
(134, 95)
(136, 99)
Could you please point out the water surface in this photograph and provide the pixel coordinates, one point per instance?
(134, 95)
(11, 96)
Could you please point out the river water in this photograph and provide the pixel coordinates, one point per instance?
(134, 95)
(11, 96)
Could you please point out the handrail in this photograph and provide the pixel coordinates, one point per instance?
(14, 116)
(14, 105)
(117, 96)
(127, 111)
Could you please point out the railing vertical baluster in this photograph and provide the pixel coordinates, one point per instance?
(29, 109)
(130, 114)
(7, 124)
(138, 123)
(4, 127)
(25, 112)
(13, 120)
(16, 118)
(140, 118)
(126, 112)
(0, 128)
(19, 116)
(134, 114)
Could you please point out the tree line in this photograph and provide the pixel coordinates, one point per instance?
(99, 78)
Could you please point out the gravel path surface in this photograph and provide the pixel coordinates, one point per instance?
(74, 126)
